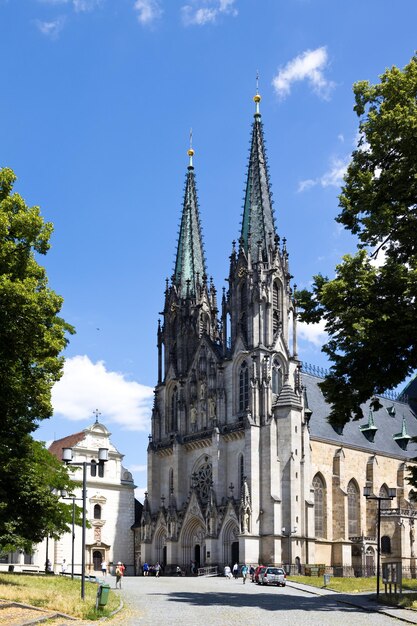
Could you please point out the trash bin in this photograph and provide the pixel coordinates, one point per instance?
(326, 580)
(11, 568)
(103, 594)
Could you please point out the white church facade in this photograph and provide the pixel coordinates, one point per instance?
(110, 511)
(242, 463)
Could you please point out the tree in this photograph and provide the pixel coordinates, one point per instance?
(32, 336)
(369, 307)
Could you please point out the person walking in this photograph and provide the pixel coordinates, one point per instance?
(236, 571)
(244, 572)
(145, 569)
(63, 567)
(227, 571)
(157, 570)
(120, 569)
(104, 567)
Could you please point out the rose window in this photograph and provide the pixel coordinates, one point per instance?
(204, 481)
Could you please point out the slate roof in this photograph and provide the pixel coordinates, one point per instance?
(389, 420)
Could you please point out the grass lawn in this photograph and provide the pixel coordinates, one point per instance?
(57, 593)
(358, 585)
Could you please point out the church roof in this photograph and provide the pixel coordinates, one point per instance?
(66, 442)
(258, 219)
(387, 422)
(190, 263)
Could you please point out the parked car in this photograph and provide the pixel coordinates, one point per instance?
(273, 576)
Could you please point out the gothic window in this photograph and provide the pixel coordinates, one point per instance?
(174, 410)
(171, 480)
(101, 470)
(243, 311)
(93, 468)
(97, 511)
(243, 387)
(275, 307)
(241, 472)
(277, 377)
(203, 481)
(353, 509)
(383, 492)
(319, 507)
(385, 544)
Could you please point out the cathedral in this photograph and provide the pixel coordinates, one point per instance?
(243, 465)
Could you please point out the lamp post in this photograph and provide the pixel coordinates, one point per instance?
(367, 492)
(65, 496)
(288, 533)
(103, 456)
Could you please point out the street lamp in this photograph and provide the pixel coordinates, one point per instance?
(103, 456)
(367, 492)
(65, 496)
(288, 533)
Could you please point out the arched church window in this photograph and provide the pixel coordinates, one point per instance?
(97, 511)
(203, 481)
(319, 507)
(174, 409)
(383, 493)
(93, 468)
(100, 470)
(353, 509)
(241, 472)
(277, 377)
(243, 312)
(276, 305)
(385, 545)
(243, 387)
(171, 480)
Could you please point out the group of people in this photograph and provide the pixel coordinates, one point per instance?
(119, 572)
(234, 572)
(156, 568)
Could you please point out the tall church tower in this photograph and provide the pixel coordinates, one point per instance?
(229, 448)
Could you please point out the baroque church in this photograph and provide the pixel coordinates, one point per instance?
(242, 463)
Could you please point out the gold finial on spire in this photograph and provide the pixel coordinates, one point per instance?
(257, 97)
(190, 151)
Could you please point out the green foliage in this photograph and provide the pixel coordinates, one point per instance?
(369, 307)
(32, 336)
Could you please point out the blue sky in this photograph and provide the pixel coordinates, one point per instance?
(97, 101)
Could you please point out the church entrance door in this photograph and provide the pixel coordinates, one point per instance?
(197, 555)
(98, 557)
(235, 552)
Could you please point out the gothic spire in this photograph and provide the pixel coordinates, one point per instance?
(190, 263)
(258, 219)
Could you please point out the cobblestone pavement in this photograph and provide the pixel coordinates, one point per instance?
(217, 602)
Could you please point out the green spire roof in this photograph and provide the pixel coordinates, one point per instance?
(190, 264)
(258, 220)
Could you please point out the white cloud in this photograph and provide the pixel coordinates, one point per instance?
(308, 65)
(51, 29)
(148, 11)
(303, 185)
(202, 12)
(86, 385)
(312, 333)
(85, 5)
(332, 178)
(137, 468)
(78, 5)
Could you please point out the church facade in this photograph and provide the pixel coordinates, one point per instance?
(242, 464)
